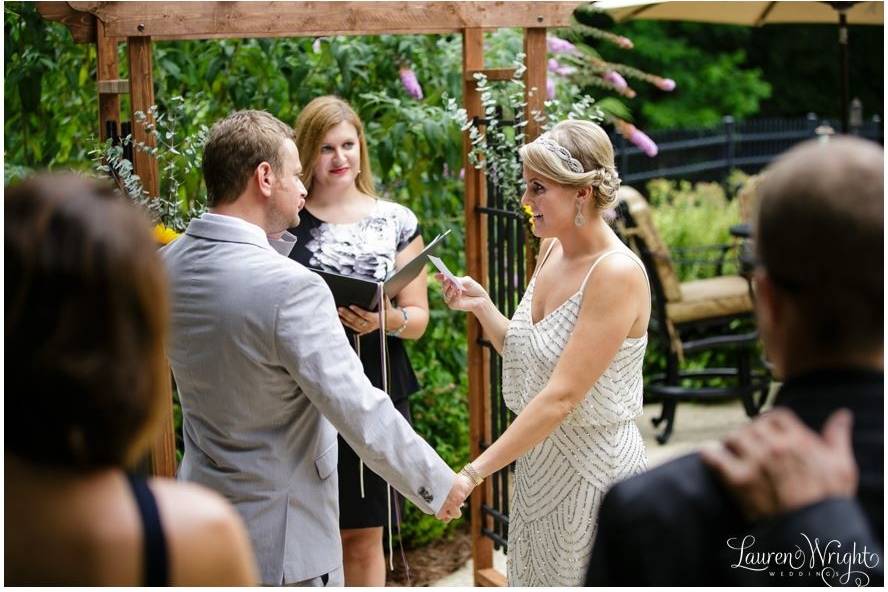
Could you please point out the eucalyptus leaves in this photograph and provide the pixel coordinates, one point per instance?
(496, 138)
(175, 159)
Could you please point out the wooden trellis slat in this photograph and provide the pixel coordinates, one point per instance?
(108, 79)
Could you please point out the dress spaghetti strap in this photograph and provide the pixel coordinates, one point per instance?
(546, 256)
(612, 252)
(155, 558)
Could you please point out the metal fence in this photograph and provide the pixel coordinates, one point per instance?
(506, 279)
(709, 154)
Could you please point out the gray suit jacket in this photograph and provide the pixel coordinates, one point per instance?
(266, 377)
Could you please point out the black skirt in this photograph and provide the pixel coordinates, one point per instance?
(369, 511)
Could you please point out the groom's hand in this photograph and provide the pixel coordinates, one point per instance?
(460, 490)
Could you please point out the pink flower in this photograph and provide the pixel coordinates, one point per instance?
(643, 141)
(558, 45)
(666, 84)
(615, 79)
(411, 84)
(462, 174)
(554, 66)
(625, 42)
(550, 88)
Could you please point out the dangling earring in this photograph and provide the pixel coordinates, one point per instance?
(580, 219)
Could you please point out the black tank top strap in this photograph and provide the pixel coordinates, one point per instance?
(156, 559)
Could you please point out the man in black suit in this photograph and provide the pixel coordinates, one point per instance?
(819, 302)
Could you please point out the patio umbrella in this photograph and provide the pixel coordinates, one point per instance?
(756, 14)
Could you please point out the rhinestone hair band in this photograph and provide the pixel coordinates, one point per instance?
(561, 152)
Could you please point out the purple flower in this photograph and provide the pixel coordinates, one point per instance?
(550, 88)
(557, 45)
(411, 85)
(666, 84)
(462, 174)
(554, 66)
(641, 139)
(615, 79)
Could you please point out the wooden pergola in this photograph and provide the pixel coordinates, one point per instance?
(138, 24)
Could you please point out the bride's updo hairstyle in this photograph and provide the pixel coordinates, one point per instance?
(576, 153)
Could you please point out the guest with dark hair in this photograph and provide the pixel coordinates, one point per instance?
(86, 318)
(819, 301)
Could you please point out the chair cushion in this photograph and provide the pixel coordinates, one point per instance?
(710, 298)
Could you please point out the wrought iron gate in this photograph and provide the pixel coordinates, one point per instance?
(507, 277)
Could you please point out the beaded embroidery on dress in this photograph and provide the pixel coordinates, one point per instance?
(559, 484)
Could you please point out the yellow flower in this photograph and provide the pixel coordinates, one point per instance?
(529, 213)
(164, 235)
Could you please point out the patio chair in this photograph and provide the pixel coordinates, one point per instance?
(713, 314)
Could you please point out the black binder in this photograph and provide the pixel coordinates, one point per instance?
(348, 290)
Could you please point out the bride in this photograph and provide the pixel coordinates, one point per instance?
(572, 359)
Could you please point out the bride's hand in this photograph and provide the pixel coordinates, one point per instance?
(468, 296)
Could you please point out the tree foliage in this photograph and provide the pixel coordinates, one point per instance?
(709, 66)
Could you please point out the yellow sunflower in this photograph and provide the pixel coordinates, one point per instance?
(164, 234)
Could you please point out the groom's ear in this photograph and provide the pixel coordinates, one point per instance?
(264, 176)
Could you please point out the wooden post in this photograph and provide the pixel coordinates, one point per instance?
(535, 51)
(478, 358)
(107, 69)
(163, 453)
(534, 78)
(141, 98)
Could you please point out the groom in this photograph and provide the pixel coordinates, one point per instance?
(264, 372)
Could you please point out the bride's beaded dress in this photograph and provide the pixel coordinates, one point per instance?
(559, 484)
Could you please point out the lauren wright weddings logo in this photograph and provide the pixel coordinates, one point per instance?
(828, 559)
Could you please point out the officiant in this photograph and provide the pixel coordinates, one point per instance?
(347, 229)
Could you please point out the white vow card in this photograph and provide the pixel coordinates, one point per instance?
(446, 272)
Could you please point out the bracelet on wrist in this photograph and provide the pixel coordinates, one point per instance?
(397, 332)
(470, 472)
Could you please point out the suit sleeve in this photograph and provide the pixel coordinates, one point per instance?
(311, 344)
(606, 563)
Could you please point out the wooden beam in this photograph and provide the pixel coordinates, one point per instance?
(141, 99)
(205, 20)
(476, 244)
(107, 74)
(81, 24)
(491, 73)
(490, 577)
(534, 78)
(535, 51)
(163, 454)
(114, 87)
(162, 459)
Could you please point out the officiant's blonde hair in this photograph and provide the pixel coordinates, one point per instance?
(316, 119)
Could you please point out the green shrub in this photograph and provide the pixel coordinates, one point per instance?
(689, 216)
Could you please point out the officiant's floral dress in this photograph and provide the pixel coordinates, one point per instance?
(366, 248)
(559, 484)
